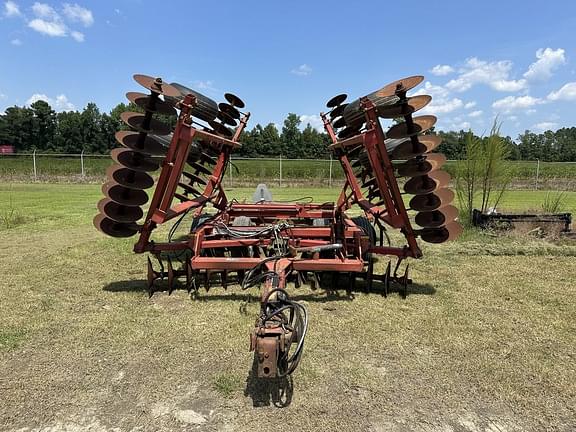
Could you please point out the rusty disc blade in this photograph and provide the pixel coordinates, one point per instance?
(141, 143)
(420, 124)
(392, 144)
(354, 114)
(137, 121)
(226, 118)
(339, 122)
(368, 183)
(150, 103)
(440, 235)
(408, 150)
(118, 212)
(437, 218)
(230, 110)
(442, 178)
(220, 129)
(113, 228)
(422, 165)
(412, 105)
(432, 201)
(336, 100)
(403, 84)
(427, 183)
(420, 185)
(123, 195)
(156, 85)
(234, 100)
(134, 160)
(129, 178)
(204, 107)
(200, 168)
(194, 178)
(196, 155)
(190, 189)
(337, 112)
(348, 132)
(362, 159)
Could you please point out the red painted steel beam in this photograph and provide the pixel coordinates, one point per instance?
(320, 264)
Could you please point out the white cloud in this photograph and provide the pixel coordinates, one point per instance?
(61, 103)
(548, 60)
(441, 70)
(11, 9)
(441, 101)
(544, 126)
(45, 11)
(16, 42)
(49, 28)
(470, 105)
(302, 70)
(493, 74)
(476, 113)
(567, 92)
(457, 124)
(77, 36)
(508, 85)
(207, 85)
(314, 120)
(77, 13)
(49, 22)
(513, 103)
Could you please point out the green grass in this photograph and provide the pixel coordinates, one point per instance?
(485, 338)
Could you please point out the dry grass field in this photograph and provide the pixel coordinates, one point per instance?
(485, 341)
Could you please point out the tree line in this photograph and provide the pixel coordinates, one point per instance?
(39, 127)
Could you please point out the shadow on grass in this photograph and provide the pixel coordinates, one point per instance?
(299, 294)
(268, 391)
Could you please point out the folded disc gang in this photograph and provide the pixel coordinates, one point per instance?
(432, 201)
(420, 124)
(412, 105)
(422, 165)
(144, 102)
(156, 85)
(234, 100)
(443, 234)
(118, 212)
(134, 160)
(123, 195)
(424, 144)
(141, 143)
(113, 228)
(129, 178)
(437, 218)
(138, 121)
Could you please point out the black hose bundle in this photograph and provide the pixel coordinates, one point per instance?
(293, 318)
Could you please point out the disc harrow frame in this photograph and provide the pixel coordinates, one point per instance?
(271, 244)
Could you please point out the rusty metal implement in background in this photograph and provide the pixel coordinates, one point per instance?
(271, 244)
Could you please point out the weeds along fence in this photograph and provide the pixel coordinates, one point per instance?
(248, 172)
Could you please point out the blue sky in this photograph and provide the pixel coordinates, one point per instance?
(514, 59)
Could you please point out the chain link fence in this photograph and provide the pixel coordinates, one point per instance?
(250, 171)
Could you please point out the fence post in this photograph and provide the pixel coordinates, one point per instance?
(330, 179)
(280, 169)
(34, 161)
(231, 168)
(82, 162)
(537, 172)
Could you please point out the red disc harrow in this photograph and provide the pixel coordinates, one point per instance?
(267, 243)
